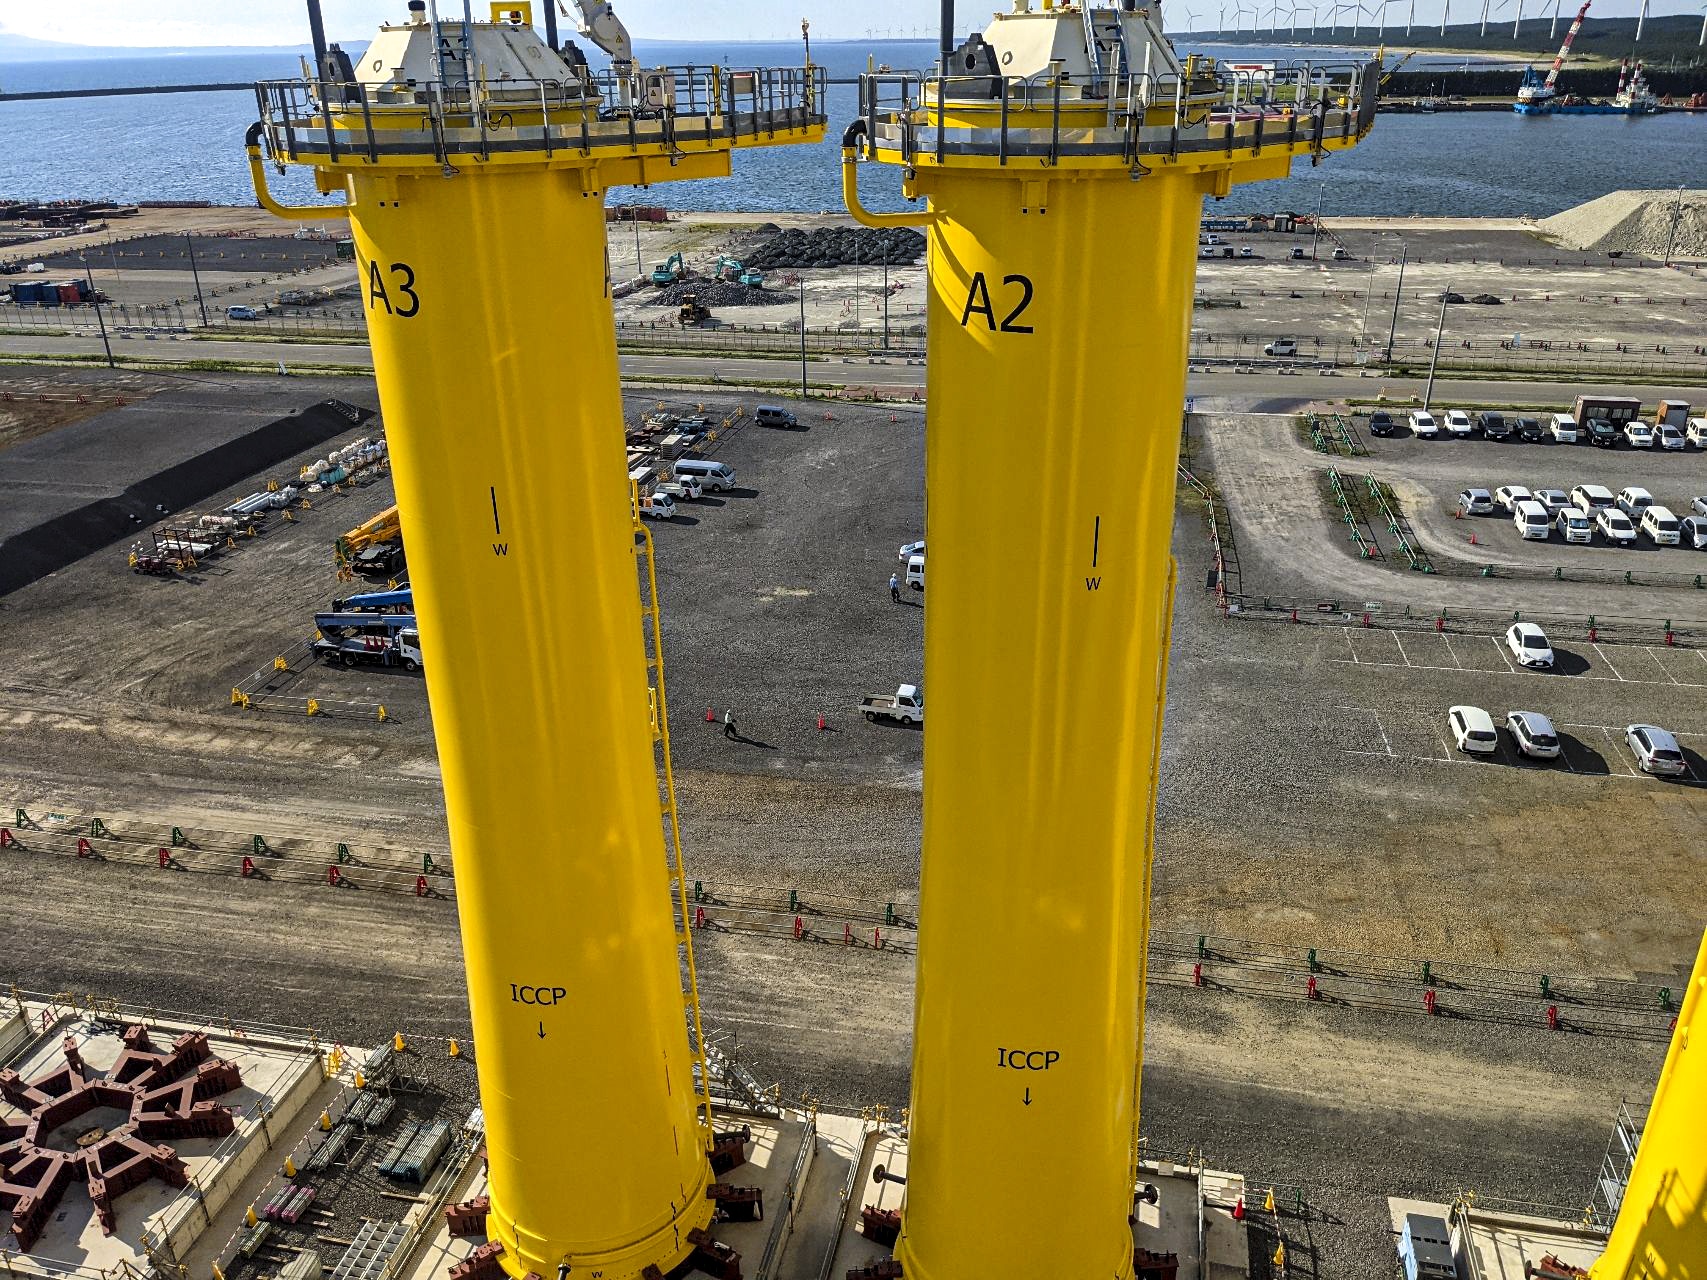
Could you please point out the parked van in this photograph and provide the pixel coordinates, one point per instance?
(711, 475)
(1591, 498)
(1574, 526)
(916, 572)
(768, 415)
(1563, 428)
(1660, 526)
(1531, 520)
(1633, 500)
(1696, 432)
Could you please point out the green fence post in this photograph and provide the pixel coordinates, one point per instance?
(1665, 997)
(1546, 985)
(1428, 974)
(1315, 967)
(23, 819)
(793, 900)
(259, 845)
(344, 854)
(699, 891)
(179, 840)
(1202, 946)
(427, 863)
(1629, 580)
(97, 828)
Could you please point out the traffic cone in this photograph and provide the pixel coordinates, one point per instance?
(709, 717)
(1239, 1209)
(823, 724)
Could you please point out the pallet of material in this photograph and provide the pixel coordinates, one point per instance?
(415, 1151)
(305, 1266)
(322, 1157)
(370, 1110)
(253, 1238)
(369, 1254)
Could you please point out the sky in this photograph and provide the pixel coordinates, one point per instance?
(143, 23)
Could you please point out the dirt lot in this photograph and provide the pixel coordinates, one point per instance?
(1303, 803)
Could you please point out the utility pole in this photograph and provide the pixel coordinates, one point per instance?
(95, 297)
(1434, 359)
(804, 394)
(634, 217)
(195, 275)
(1676, 217)
(1393, 325)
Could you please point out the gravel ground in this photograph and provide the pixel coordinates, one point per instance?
(1648, 223)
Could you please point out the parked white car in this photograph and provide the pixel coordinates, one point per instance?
(1424, 424)
(911, 549)
(1660, 527)
(1531, 521)
(1696, 432)
(1458, 424)
(1590, 498)
(1280, 346)
(1656, 750)
(1563, 428)
(1475, 502)
(1615, 527)
(1638, 435)
(1555, 500)
(1692, 532)
(1574, 526)
(1698, 506)
(1529, 645)
(915, 574)
(1473, 730)
(1534, 734)
(1633, 500)
(1668, 436)
(1509, 495)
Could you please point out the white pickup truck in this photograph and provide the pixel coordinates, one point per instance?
(906, 704)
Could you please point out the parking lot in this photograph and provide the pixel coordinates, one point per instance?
(1685, 668)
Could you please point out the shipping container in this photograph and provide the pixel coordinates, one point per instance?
(71, 294)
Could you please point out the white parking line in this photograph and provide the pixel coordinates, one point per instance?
(1608, 661)
(1452, 651)
(1402, 654)
(1350, 647)
(1662, 666)
(1499, 648)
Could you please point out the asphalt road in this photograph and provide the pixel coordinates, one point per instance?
(1241, 390)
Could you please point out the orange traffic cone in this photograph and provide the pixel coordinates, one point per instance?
(709, 717)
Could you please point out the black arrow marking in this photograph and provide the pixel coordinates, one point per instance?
(542, 1036)
(1096, 540)
(499, 529)
(1028, 1097)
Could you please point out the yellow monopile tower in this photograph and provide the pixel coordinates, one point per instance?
(475, 159)
(1661, 1231)
(1064, 154)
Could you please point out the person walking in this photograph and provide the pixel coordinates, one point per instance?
(894, 588)
(729, 723)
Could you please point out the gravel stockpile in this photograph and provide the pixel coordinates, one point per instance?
(717, 293)
(1636, 222)
(837, 247)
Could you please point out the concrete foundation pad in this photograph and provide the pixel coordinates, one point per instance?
(279, 1079)
(1491, 1243)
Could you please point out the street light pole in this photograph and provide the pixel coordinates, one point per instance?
(886, 299)
(634, 217)
(1434, 359)
(195, 275)
(1393, 325)
(1316, 238)
(804, 394)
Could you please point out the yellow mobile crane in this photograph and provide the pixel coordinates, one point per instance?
(474, 159)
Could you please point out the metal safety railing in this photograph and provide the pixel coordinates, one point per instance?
(308, 121)
(1213, 110)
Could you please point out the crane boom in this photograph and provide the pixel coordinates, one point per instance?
(1565, 49)
(600, 24)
